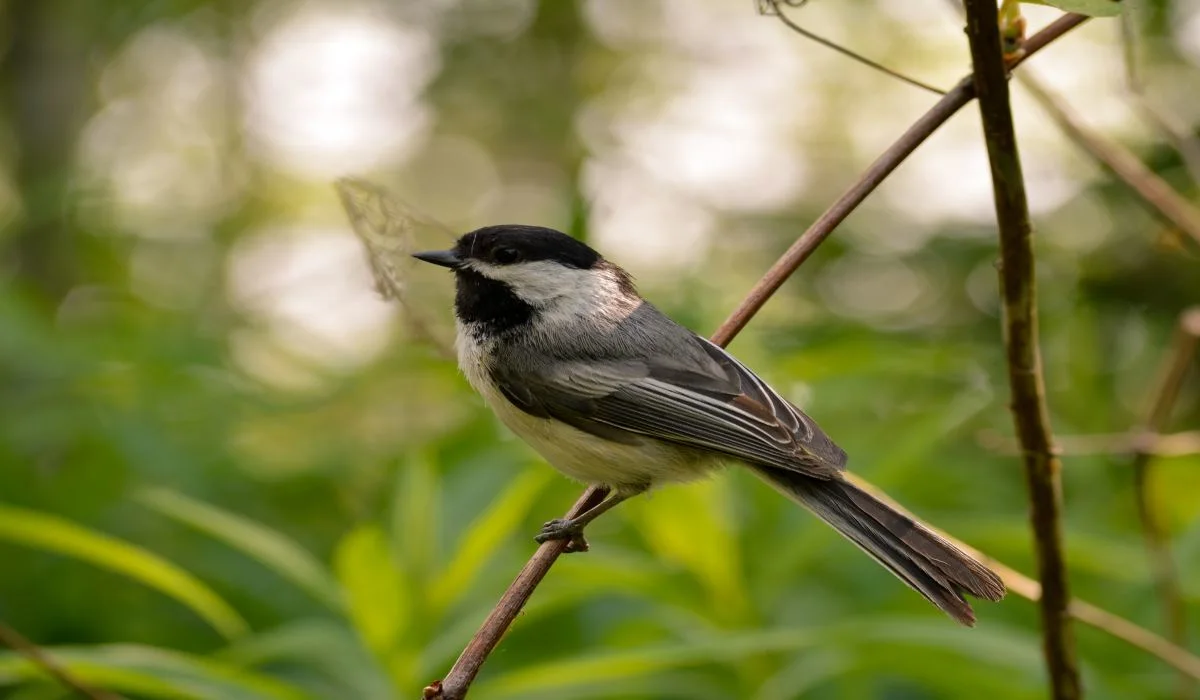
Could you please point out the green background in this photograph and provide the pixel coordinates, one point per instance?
(226, 471)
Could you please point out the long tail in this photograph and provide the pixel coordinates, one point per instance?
(927, 563)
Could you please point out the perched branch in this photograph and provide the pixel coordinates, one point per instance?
(46, 663)
(1018, 290)
(1153, 191)
(1166, 574)
(456, 683)
(875, 174)
(458, 680)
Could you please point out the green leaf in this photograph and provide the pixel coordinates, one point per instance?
(53, 534)
(1093, 8)
(1173, 483)
(485, 534)
(327, 648)
(610, 666)
(376, 591)
(691, 526)
(416, 514)
(999, 647)
(269, 547)
(153, 672)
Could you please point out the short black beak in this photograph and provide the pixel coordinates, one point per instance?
(445, 258)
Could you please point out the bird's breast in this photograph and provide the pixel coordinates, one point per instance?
(644, 461)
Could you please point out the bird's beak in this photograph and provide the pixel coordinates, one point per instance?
(445, 258)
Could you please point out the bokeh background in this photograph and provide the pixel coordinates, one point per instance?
(229, 469)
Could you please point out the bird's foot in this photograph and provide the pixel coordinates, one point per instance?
(563, 529)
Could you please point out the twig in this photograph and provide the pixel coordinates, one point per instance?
(34, 654)
(458, 680)
(1018, 288)
(1167, 123)
(1168, 445)
(1172, 654)
(1153, 191)
(1166, 574)
(772, 7)
(875, 174)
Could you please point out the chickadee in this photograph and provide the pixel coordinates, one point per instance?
(612, 392)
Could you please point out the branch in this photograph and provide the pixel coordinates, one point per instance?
(1018, 289)
(1166, 574)
(454, 686)
(46, 663)
(1131, 443)
(456, 683)
(1153, 190)
(816, 234)
(772, 7)
(1167, 123)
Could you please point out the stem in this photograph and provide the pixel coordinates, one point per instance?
(1019, 292)
(1166, 573)
(49, 666)
(878, 171)
(1153, 190)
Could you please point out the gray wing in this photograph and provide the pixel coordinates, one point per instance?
(717, 405)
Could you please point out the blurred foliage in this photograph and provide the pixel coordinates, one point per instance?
(228, 470)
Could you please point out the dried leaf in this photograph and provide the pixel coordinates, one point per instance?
(391, 231)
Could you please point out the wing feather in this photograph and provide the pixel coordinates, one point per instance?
(720, 406)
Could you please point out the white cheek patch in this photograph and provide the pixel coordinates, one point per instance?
(539, 282)
(564, 294)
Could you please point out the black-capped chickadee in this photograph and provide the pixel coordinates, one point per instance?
(610, 391)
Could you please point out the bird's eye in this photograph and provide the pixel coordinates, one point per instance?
(506, 256)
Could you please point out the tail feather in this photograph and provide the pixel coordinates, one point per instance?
(925, 562)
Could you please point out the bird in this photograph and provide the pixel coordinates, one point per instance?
(611, 392)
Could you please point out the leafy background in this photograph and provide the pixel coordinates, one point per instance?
(229, 470)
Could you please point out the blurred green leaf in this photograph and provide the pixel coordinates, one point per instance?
(1094, 8)
(995, 647)
(1172, 488)
(328, 648)
(691, 526)
(611, 666)
(270, 548)
(376, 591)
(416, 514)
(154, 672)
(810, 670)
(486, 533)
(53, 534)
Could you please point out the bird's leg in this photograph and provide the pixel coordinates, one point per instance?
(572, 528)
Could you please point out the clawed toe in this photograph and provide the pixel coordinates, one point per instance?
(558, 529)
(563, 529)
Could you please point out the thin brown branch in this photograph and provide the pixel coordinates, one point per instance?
(454, 686)
(875, 174)
(772, 7)
(1166, 574)
(1168, 445)
(1160, 197)
(456, 683)
(1173, 655)
(1018, 290)
(49, 666)
(1168, 124)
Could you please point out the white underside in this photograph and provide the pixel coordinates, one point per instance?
(577, 454)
